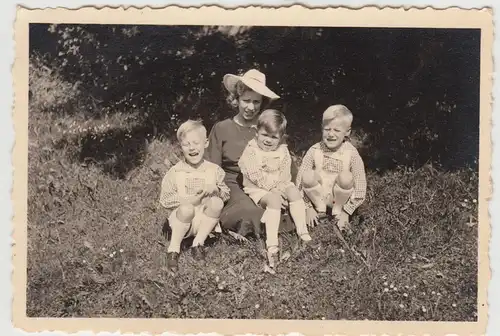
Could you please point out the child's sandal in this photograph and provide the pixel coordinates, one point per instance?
(347, 229)
(323, 217)
(198, 252)
(273, 257)
(311, 244)
(172, 262)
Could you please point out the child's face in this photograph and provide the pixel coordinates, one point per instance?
(268, 141)
(335, 131)
(193, 146)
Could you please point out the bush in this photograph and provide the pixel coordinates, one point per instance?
(49, 91)
(408, 98)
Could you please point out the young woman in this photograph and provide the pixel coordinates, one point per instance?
(247, 94)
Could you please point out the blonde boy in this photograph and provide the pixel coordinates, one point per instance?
(332, 173)
(266, 168)
(195, 191)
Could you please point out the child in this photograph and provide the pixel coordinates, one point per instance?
(332, 172)
(265, 165)
(195, 190)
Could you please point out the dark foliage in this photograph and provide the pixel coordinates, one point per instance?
(414, 92)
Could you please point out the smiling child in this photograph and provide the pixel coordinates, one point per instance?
(195, 190)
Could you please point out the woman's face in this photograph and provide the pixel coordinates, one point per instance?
(249, 104)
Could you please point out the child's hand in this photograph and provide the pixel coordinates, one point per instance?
(211, 190)
(198, 197)
(206, 192)
(311, 217)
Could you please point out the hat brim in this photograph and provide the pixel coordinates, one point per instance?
(231, 80)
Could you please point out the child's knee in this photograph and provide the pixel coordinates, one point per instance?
(345, 180)
(309, 179)
(214, 206)
(273, 201)
(185, 213)
(293, 194)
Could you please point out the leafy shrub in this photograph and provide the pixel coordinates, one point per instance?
(402, 84)
(48, 89)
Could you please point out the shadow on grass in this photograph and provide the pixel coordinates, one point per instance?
(117, 152)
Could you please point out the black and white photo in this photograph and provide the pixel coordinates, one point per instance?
(327, 172)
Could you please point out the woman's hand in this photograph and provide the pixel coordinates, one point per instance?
(311, 217)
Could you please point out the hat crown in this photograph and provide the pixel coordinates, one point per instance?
(253, 79)
(255, 75)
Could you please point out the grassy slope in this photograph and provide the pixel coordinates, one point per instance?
(412, 228)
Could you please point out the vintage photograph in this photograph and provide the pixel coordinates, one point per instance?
(254, 172)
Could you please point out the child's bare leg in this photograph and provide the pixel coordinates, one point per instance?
(298, 211)
(180, 224)
(342, 191)
(272, 203)
(209, 219)
(313, 190)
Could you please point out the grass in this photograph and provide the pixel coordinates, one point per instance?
(96, 249)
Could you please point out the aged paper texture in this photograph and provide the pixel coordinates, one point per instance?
(31, 309)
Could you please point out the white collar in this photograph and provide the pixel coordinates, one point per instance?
(186, 167)
(240, 124)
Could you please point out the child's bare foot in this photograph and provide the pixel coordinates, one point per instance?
(173, 262)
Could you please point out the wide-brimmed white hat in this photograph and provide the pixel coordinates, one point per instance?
(254, 79)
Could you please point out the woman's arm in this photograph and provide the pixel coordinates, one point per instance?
(213, 153)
